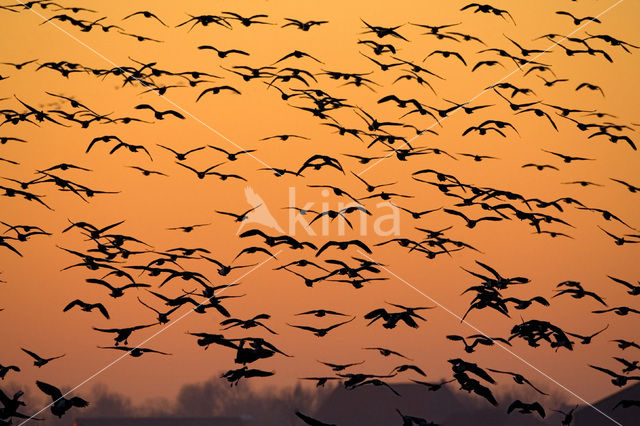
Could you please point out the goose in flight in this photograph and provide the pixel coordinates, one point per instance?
(38, 360)
(247, 324)
(321, 332)
(87, 307)
(526, 408)
(134, 352)
(387, 352)
(320, 381)
(478, 339)
(519, 379)
(146, 14)
(321, 313)
(60, 404)
(122, 334)
(618, 379)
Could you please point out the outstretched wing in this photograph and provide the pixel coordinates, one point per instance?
(604, 370)
(311, 421)
(50, 390)
(327, 245)
(486, 393)
(362, 245)
(31, 354)
(76, 302)
(102, 310)
(78, 402)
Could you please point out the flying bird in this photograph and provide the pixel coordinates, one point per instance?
(578, 21)
(60, 404)
(302, 25)
(146, 14)
(321, 332)
(38, 360)
(159, 115)
(343, 245)
(519, 379)
(527, 408)
(136, 352)
(87, 307)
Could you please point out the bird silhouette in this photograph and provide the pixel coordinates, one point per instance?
(585, 340)
(146, 14)
(122, 334)
(519, 379)
(576, 291)
(578, 21)
(87, 307)
(60, 404)
(321, 332)
(38, 360)
(343, 245)
(618, 379)
(487, 9)
(527, 408)
(136, 352)
(181, 156)
(159, 115)
(116, 291)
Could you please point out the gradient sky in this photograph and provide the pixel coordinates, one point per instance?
(35, 290)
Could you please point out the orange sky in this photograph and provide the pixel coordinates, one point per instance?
(35, 290)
